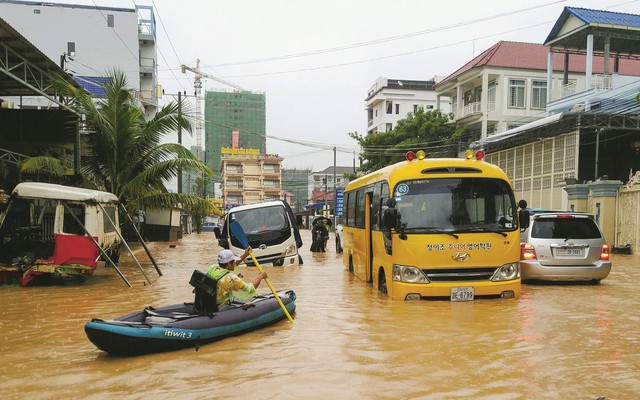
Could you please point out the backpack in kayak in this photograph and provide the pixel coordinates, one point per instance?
(205, 288)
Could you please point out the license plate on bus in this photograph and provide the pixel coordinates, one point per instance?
(462, 294)
(568, 252)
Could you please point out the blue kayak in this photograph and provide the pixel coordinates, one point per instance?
(182, 326)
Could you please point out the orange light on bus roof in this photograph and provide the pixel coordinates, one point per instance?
(421, 154)
(468, 154)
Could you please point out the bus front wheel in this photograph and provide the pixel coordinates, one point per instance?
(382, 282)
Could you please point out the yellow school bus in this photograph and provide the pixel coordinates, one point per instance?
(434, 229)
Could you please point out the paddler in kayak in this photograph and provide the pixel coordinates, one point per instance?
(231, 286)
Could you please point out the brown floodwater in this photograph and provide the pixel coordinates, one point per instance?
(348, 342)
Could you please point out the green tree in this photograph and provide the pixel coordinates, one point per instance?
(124, 154)
(43, 165)
(432, 131)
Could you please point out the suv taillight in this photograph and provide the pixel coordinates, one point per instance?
(604, 254)
(527, 252)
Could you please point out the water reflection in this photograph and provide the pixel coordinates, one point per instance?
(348, 341)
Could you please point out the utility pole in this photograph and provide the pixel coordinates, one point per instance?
(326, 190)
(204, 182)
(179, 139)
(334, 187)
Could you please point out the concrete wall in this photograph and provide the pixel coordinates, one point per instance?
(98, 46)
(598, 198)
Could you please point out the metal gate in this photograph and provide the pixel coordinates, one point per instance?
(628, 214)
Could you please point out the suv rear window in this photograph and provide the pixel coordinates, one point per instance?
(562, 228)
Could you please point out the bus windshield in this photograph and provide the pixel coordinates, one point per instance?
(455, 205)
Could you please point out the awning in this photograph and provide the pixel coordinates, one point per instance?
(317, 206)
(515, 133)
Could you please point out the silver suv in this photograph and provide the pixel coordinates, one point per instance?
(563, 246)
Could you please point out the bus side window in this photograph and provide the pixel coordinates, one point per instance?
(375, 207)
(351, 209)
(360, 203)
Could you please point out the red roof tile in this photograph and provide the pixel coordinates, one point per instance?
(519, 55)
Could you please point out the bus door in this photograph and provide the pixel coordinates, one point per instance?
(368, 242)
(375, 208)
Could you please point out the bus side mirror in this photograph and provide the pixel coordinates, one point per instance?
(523, 215)
(216, 231)
(390, 218)
(390, 215)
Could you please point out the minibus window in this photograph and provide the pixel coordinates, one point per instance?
(351, 208)
(360, 202)
(70, 225)
(109, 212)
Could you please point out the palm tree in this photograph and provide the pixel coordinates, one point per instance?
(124, 154)
(43, 165)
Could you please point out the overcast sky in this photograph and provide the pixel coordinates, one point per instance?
(319, 97)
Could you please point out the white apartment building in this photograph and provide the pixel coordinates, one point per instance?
(390, 100)
(321, 183)
(249, 177)
(89, 41)
(506, 86)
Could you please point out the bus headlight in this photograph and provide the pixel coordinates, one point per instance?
(507, 272)
(403, 273)
(290, 250)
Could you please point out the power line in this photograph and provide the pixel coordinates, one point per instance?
(116, 33)
(400, 54)
(387, 39)
(317, 145)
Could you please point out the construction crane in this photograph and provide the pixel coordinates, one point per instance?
(197, 85)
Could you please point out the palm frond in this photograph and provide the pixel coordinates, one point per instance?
(43, 165)
(153, 177)
(189, 202)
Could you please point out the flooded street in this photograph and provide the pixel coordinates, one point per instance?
(555, 342)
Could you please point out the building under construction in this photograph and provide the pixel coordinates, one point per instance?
(235, 120)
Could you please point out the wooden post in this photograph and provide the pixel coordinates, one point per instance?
(146, 249)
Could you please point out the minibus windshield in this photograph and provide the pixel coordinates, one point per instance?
(455, 205)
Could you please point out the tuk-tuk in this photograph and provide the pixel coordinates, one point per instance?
(55, 230)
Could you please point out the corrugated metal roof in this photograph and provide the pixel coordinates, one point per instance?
(93, 84)
(62, 5)
(589, 16)
(621, 29)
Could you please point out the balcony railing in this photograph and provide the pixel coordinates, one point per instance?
(145, 96)
(601, 82)
(598, 81)
(471, 108)
(147, 65)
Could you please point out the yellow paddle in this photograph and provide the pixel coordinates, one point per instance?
(238, 232)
